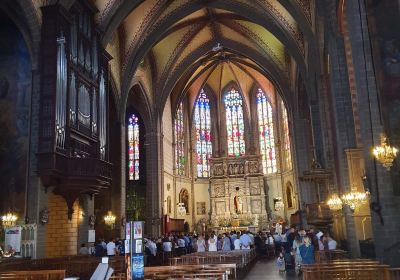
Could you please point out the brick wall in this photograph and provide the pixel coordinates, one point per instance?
(61, 234)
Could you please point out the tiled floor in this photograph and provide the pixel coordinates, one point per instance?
(266, 270)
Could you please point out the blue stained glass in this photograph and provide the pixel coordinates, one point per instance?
(133, 148)
(234, 123)
(287, 155)
(203, 134)
(266, 129)
(179, 142)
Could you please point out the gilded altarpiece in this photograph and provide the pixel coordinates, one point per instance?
(237, 192)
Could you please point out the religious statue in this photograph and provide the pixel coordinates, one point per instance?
(44, 216)
(92, 221)
(278, 228)
(238, 203)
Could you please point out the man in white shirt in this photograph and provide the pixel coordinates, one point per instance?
(246, 241)
(167, 246)
(111, 249)
(237, 243)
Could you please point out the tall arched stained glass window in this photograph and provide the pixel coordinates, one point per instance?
(179, 142)
(234, 123)
(266, 130)
(287, 155)
(203, 134)
(133, 147)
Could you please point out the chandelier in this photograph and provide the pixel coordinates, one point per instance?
(384, 153)
(335, 203)
(9, 219)
(109, 219)
(355, 199)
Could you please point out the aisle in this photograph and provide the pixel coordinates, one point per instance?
(266, 270)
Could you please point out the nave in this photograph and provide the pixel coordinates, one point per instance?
(266, 269)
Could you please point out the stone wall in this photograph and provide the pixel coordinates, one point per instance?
(61, 233)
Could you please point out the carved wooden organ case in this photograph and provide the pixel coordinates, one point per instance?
(73, 136)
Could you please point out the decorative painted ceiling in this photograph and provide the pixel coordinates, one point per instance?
(167, 44)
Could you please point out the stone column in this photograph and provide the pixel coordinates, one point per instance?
(118, 193)
(385, 206)
(86, 204)
(153, 193)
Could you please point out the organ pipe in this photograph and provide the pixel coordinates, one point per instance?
(61, 92)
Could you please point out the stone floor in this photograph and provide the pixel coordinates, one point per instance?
(266, 270)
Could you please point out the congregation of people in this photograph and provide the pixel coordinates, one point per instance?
(286, 244)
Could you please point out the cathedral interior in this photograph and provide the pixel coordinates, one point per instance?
(203, 115)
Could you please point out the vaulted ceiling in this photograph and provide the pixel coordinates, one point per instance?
(168, 46)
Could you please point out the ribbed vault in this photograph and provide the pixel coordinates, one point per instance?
(163, 44)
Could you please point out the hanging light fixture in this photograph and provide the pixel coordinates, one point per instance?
(9, 219)
(109, 219)
(384, 153)
(335, 203)
(354, 198)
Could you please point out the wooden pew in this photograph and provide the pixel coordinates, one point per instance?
(34, 275)
(190, 271)
(354, 270)
(394, 273)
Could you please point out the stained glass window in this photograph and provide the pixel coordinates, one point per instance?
(179, 142)
(234, 123)
(203, 134)
(266, 130)
(133, 147)
(287, 155)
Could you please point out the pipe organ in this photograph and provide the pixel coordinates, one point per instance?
(73, 133)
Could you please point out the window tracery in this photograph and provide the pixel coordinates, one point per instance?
(133, 147)
(286, 151)
(266, 130)
(202, 121)
(234, 123)
(179, 142)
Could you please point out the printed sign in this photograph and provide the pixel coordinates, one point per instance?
(13, 239)
(137, 230)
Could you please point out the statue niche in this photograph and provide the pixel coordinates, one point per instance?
(238, 203)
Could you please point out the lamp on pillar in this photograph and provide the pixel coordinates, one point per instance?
(384, 153)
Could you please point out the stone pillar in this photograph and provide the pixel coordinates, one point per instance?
(118, 193)
(153, 193)
(86, 204)
(385, 206)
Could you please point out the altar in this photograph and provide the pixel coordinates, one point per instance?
(238, 199)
